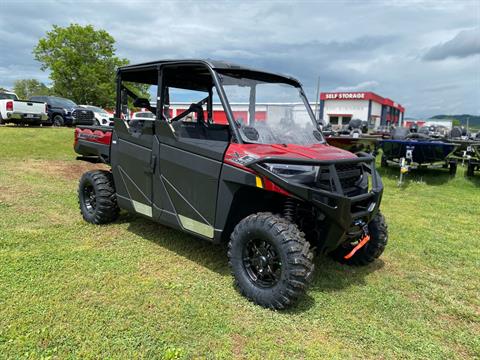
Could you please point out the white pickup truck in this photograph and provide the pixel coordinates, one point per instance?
(15, 111)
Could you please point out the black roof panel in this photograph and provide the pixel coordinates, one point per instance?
(214, 64)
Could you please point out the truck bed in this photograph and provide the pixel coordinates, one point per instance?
(23, 111)
(92, 143)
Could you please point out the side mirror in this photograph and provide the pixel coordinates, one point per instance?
(251, 133)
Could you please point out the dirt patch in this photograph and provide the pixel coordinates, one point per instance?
(10, 194)
(238, 346)
(67, 170)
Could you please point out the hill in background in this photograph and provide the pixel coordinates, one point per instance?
(473, 120)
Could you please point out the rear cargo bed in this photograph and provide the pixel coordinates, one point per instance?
(92, 143)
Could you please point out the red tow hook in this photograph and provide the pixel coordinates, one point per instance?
(362, 242)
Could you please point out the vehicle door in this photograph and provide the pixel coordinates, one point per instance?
(190, 154)
(131, 156)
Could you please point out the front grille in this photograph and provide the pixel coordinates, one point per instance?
(349, 176)
(83, 117)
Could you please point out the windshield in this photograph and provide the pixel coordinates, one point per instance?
(60, 102)
(5, 96)
(270, 112)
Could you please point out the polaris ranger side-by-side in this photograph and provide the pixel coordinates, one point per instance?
(262, 178)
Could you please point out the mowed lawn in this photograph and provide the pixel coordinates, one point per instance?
(135, 289)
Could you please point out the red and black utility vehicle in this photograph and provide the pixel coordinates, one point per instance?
(269, 185)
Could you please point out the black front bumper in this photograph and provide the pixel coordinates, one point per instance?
(344, 214)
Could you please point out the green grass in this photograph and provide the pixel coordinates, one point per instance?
(135, 289)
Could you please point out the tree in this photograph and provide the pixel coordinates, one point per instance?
(456, 122)
(82, 63)
(30, 87)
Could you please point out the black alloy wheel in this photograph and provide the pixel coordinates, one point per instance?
(262, 263)
(89, 196)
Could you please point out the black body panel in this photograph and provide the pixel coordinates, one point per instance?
(93, 152)
(131, 166)
(195, 179)
(188, 175)
(231, 180)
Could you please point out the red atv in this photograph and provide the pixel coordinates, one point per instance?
(243, 161)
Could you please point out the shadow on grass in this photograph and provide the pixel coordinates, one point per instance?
(204, 253)
(329, 276)
(475, 179)
(430, 176)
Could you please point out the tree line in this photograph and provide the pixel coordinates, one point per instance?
(82, 64)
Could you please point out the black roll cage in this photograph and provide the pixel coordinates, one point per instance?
(215, 69)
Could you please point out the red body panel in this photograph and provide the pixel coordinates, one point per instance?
(238, 152)
(315, 151)
(96, 136)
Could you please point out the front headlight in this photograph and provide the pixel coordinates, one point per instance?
(299, 173)
(290, 169)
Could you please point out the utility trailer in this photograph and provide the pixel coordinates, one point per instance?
(409, 151)
(273, 189)
(468, 153)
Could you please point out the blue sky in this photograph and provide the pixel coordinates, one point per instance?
(422, 54)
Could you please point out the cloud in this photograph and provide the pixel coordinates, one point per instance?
(441, 88)
(366, 85)
(350, 45)
(465, 43)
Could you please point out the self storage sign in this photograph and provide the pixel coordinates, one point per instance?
(344, 96)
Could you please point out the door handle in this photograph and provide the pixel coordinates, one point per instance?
(153, 163)
(150, 169)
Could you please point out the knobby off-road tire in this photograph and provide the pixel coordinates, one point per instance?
(278, 273)
(97, 198)
(378, 231)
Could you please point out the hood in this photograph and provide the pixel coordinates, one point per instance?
(237, 152)
(84, 111)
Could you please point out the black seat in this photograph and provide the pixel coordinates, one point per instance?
(189, 129)
(217, 132)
